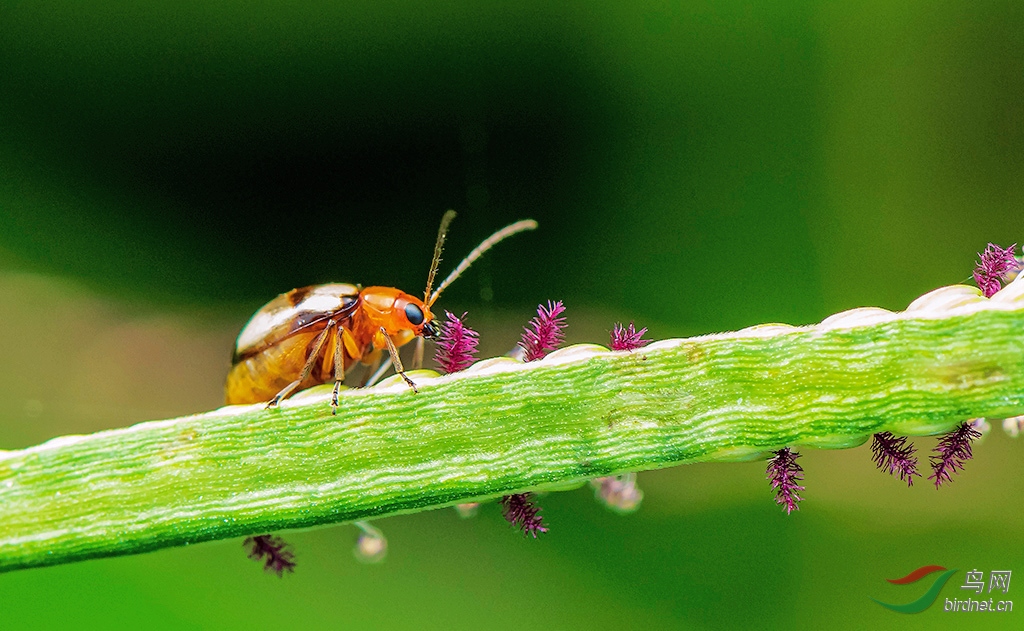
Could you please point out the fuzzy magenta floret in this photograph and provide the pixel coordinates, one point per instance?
(995, 263)
(521, 512)
(785, 474)
(895, 455)
(988, 285)
(273, 551)
(628, 338)
(952, 452)
(544, 332)
(456, 348)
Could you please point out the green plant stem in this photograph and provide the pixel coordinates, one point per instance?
(503, 427)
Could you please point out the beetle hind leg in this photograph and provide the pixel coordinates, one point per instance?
(318, 345)
(282, 394)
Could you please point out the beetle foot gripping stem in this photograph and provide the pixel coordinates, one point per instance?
(410, 382)
(334, 398)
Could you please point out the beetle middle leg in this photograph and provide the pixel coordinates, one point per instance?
(339, 369)
(308, 368)
(396, 360)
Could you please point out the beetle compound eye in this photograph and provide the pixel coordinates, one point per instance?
(414, 313)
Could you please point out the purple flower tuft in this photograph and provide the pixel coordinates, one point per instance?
(520, 511)
(457, 346)
(784, 474)
(892, 453)
(628, 338)
(273, 551)
(988, 285)
(995, 264)
(546, 332)
(953, 450)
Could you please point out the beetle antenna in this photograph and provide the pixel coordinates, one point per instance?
(488, 243)
(442, 232)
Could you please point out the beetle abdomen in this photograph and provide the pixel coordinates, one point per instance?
(276, 343)
(258, 378)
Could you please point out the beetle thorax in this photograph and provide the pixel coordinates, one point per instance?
(387, 307)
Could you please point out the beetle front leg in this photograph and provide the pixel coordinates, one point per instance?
(395, 359)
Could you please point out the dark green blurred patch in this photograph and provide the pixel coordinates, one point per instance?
(253, 152)
(695, 166)
(710, 164)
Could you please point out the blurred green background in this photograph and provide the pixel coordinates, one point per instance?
(168, 167)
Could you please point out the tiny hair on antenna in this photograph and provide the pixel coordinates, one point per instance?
(442, 233)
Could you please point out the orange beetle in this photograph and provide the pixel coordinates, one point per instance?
(311, 335)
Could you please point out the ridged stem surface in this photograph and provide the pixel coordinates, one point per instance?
(503, 426)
